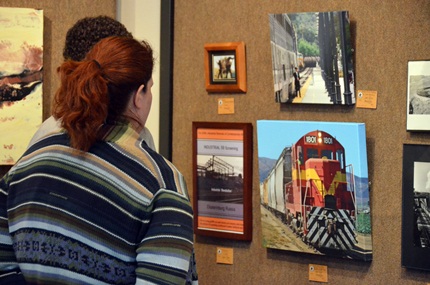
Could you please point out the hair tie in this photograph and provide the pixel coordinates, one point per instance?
(98, 64)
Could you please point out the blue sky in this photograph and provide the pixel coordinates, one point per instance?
(274, 136)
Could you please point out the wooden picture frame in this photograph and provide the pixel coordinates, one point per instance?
(415, 207)
(225, 67)
(222, 180)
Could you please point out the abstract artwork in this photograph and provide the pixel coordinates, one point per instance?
(21, 77)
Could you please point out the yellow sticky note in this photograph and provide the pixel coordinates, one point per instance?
(224, 255)
(226, 106)
(366, 99)
(318, 273)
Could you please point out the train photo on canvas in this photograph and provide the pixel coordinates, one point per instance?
(311, 190)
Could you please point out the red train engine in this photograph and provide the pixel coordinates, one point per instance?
(319, 203)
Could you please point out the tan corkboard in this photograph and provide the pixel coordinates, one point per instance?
(58, 17)
(385, 35)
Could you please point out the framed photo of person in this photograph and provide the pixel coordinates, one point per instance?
(416, 207)
(222, 180)
(418, 107)
(225, 67)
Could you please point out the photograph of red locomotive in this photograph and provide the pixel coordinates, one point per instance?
(315, 192)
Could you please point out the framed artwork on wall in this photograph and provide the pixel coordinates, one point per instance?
(312, 58)
(314, 188)
(21, 84)
(416, 207)
(418, 107)
(222, 180)
(225, 67)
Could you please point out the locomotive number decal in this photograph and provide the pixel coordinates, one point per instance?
(314, 140)
(328, 140)
(310, 139)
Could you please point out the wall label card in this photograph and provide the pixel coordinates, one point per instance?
(224, 255)
(367, 99)
(226, 106)
(318, 273)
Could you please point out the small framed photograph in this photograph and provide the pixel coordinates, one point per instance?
(225, 67)
(418, 107)
(222, 180)
(416, 207)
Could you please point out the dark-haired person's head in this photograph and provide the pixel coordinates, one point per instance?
(87, 32)
(113, 82)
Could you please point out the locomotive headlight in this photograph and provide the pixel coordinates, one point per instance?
(319, 134)
(319, 140)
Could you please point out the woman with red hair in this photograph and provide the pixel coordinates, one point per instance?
(92, 203)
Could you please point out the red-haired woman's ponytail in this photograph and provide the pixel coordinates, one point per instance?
(99, 89)
(81, 103)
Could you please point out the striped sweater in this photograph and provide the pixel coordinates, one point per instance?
(118, 214)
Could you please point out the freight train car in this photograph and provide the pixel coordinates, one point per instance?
(308, 190)
(284, 55)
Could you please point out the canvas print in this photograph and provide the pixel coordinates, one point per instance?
(416, 207)
(314, 190)
(312, 58)
(418, 110)
(21, 77)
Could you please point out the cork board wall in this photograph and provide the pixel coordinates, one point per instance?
(385, 35)
(58, 17)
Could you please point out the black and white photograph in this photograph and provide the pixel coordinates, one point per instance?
(421, 206)
(416, 207)
(418, 107)
(312, 58)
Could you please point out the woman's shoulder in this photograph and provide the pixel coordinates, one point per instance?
(48, 126)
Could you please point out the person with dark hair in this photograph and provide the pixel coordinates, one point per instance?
(297, 78)
(88, 31)
(93, 204)
(80, 38)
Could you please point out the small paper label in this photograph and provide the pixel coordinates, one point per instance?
(224, 255)
(226, 106)
(318, 273)
(367, 99)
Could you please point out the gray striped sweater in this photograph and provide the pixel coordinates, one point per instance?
(118, 214)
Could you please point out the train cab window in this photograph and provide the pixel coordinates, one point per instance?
(326, 153)
(340, 158)
(312, 153)
(300, 155)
